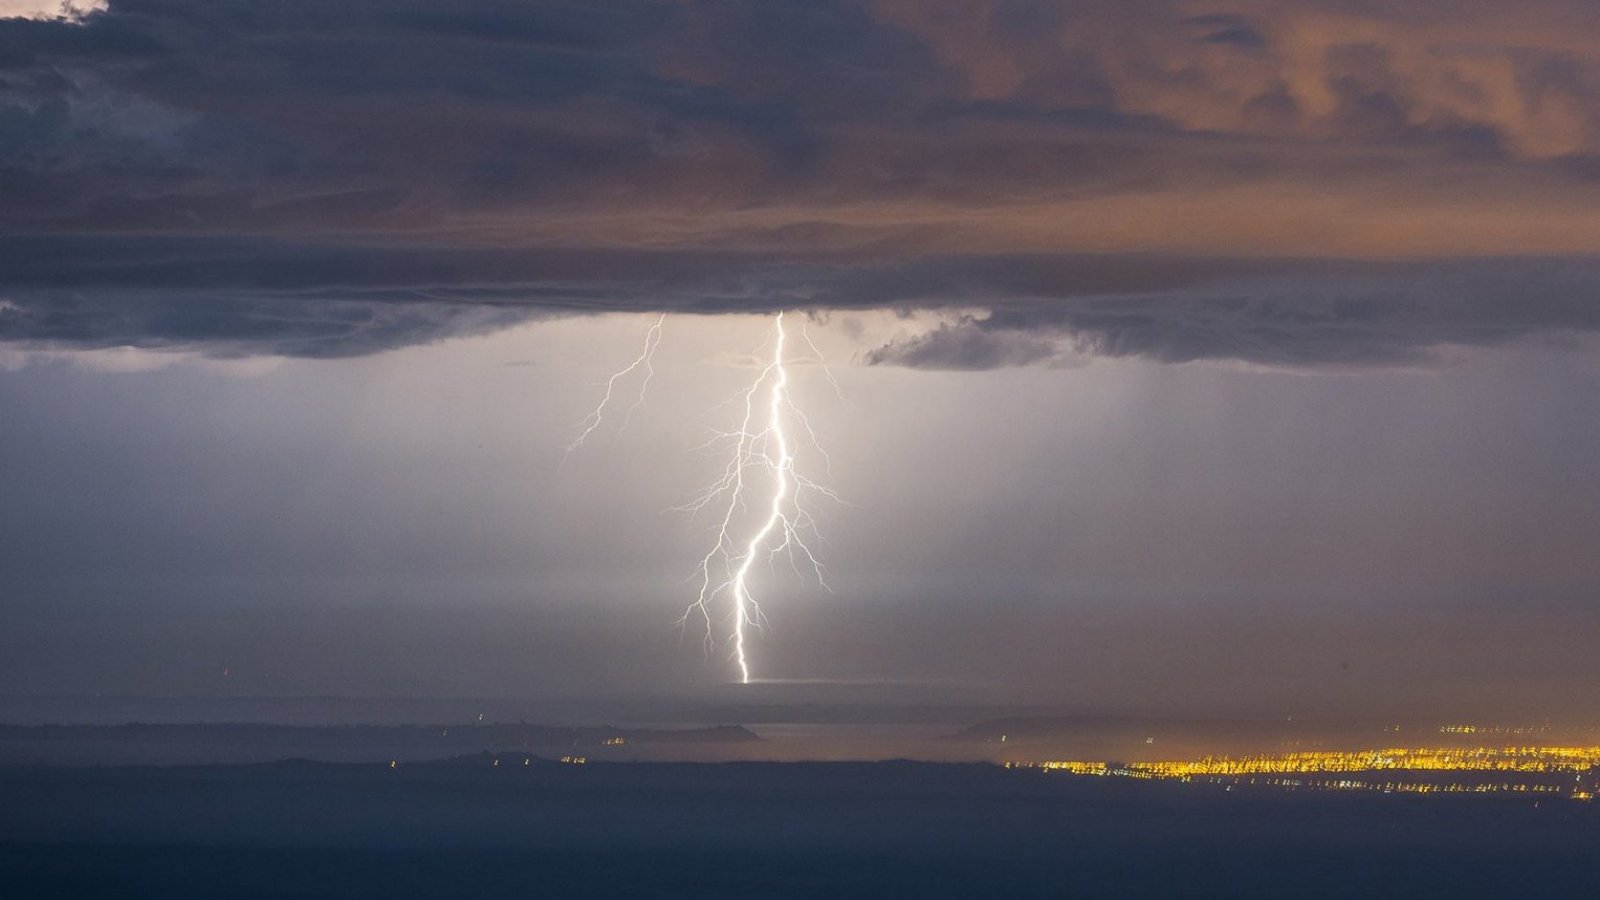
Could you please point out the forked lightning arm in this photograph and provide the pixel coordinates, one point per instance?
(762, 458)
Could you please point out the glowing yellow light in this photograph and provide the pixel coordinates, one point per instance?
(1516, 760)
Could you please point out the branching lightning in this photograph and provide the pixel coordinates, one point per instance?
(761, 471)
(646, 360)
(761, 446)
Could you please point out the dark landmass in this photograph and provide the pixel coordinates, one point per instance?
(762, 702)
(249, 742)
(497, 733)
(530, 827)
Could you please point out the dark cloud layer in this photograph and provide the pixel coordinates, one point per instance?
(1172, 180)
(1397, 318)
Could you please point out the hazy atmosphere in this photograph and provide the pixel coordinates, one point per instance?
(1117, 533)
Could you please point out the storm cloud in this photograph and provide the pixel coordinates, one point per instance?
(1169, 180)
(1399, 317)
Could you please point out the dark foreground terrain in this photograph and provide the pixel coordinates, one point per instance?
(470, 828)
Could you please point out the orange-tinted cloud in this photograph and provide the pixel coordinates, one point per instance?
(804, 147)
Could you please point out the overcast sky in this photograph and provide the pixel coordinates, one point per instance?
(1191, 355)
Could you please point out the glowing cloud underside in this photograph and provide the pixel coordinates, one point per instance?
(760, 471)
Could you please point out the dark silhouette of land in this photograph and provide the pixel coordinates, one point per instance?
(512, 825)
(208, 743)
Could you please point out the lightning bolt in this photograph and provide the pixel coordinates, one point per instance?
(646, 359)
(761, 456)
(761, 443)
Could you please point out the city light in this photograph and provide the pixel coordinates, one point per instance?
(1270, 769)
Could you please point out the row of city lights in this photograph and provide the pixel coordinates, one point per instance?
(1251, 769)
